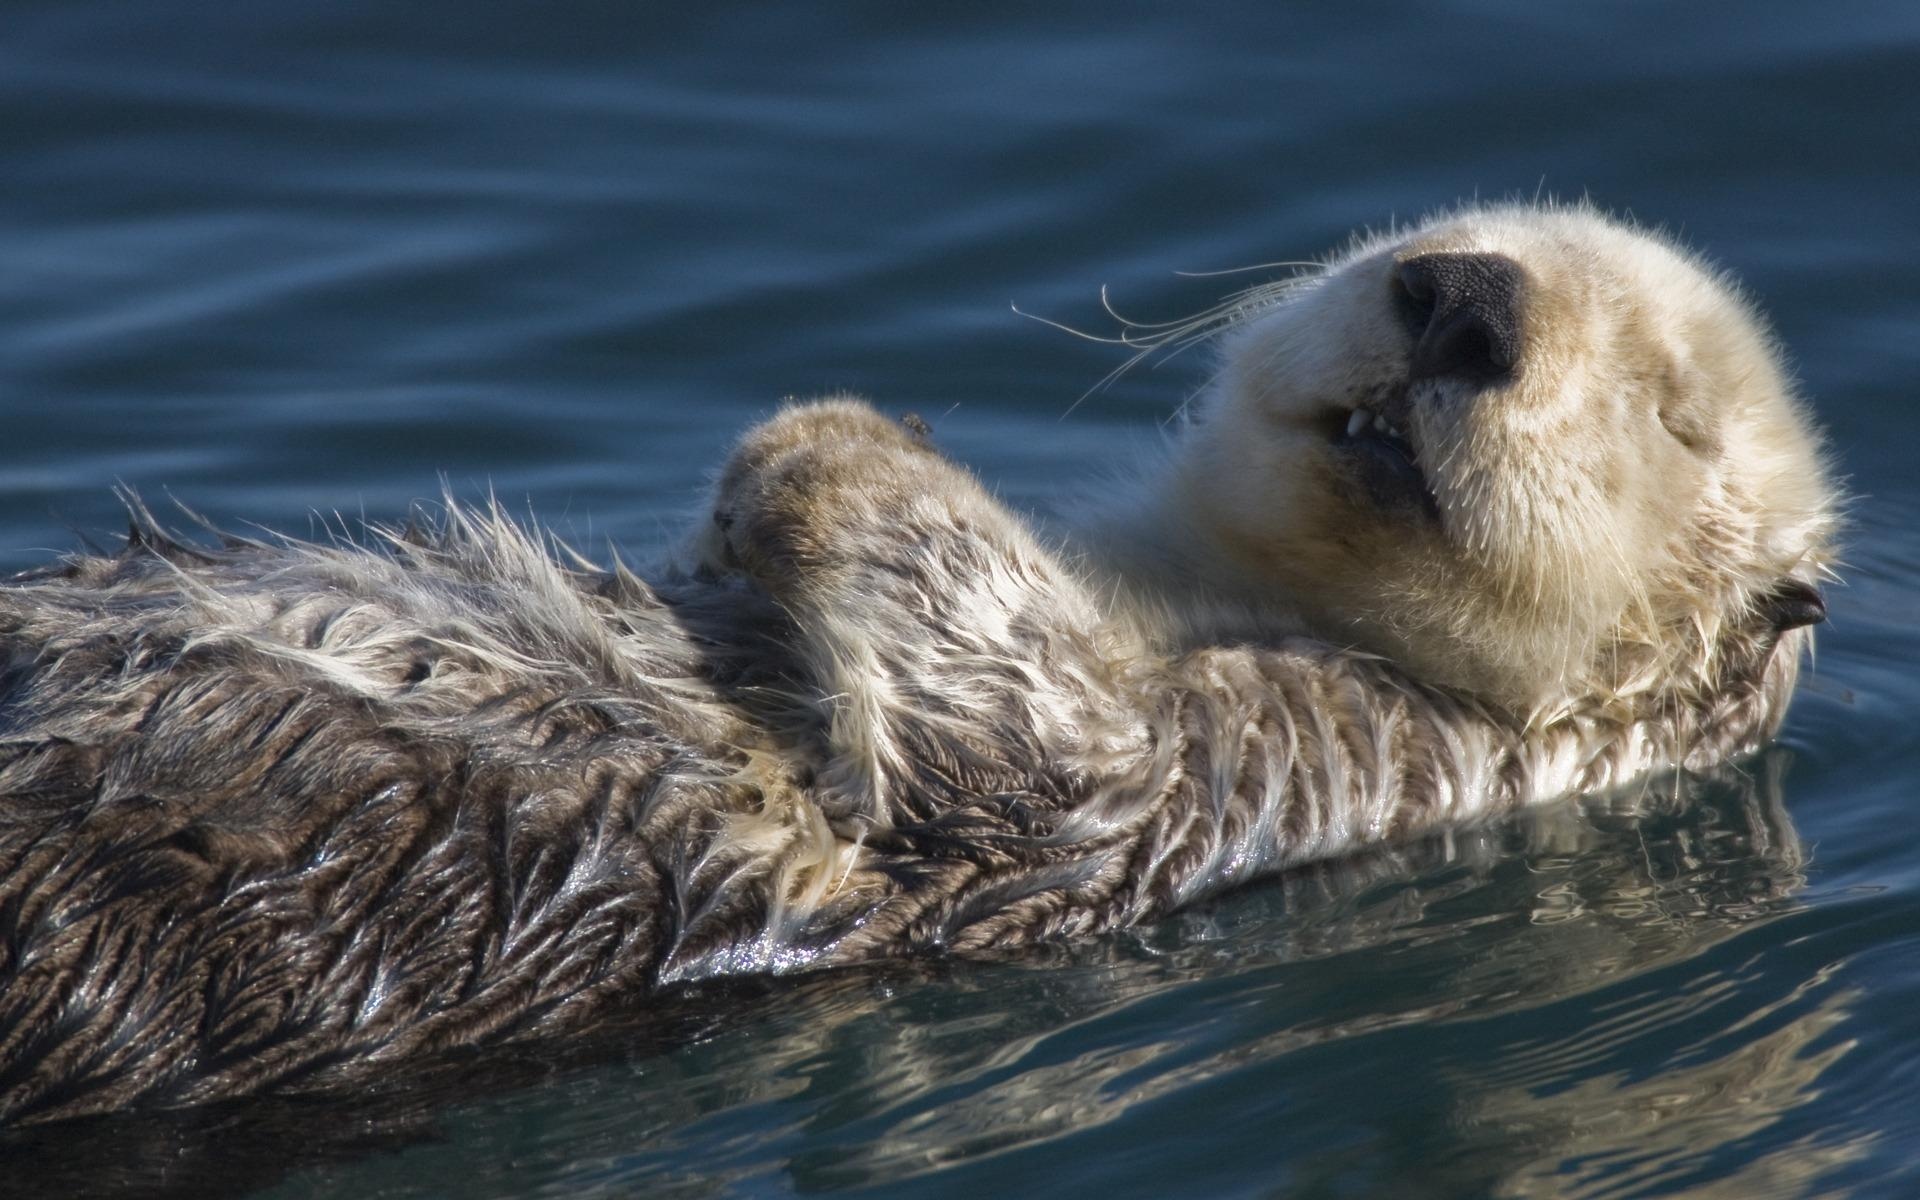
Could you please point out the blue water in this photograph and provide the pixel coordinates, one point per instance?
(296, 258)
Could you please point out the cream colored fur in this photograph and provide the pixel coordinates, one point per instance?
(1643, 479)
(279, 814)
(1591, 595)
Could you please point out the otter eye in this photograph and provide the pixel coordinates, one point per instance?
(1687, 412)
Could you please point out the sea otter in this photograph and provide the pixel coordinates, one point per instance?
(1513, 504)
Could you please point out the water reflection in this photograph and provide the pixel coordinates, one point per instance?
(1609, 1134)
(1560, 1002)
(1442, 945)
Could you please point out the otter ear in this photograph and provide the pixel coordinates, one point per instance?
(1792, 604)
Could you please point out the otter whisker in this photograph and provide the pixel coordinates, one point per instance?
(1433, 552)
(1168, 339)
(1279, 265)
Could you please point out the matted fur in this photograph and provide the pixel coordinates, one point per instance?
(283, 813)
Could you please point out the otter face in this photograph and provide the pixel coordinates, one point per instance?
(1521, 451)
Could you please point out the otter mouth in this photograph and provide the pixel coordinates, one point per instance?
(1384, 460)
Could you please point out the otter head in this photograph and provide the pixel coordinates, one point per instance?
(1528, 453)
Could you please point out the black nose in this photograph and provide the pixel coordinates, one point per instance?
(1464, 311)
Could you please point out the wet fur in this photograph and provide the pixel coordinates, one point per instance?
(281, 813)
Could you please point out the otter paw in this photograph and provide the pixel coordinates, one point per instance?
(812, 485)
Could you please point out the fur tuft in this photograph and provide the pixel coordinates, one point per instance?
(279, 813)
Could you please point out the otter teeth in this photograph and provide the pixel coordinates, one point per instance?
(1360, 420)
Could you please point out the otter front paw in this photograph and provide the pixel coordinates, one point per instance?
(812, 488)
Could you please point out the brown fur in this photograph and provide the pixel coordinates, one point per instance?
(284, 814)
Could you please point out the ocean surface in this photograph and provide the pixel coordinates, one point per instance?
(282, 261)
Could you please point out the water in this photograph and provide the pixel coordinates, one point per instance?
(280, 259)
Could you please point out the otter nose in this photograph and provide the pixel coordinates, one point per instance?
(1464, 311)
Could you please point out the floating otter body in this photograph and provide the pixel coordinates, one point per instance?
(1509, 506)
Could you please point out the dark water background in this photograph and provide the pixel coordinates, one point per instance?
(287, 257)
